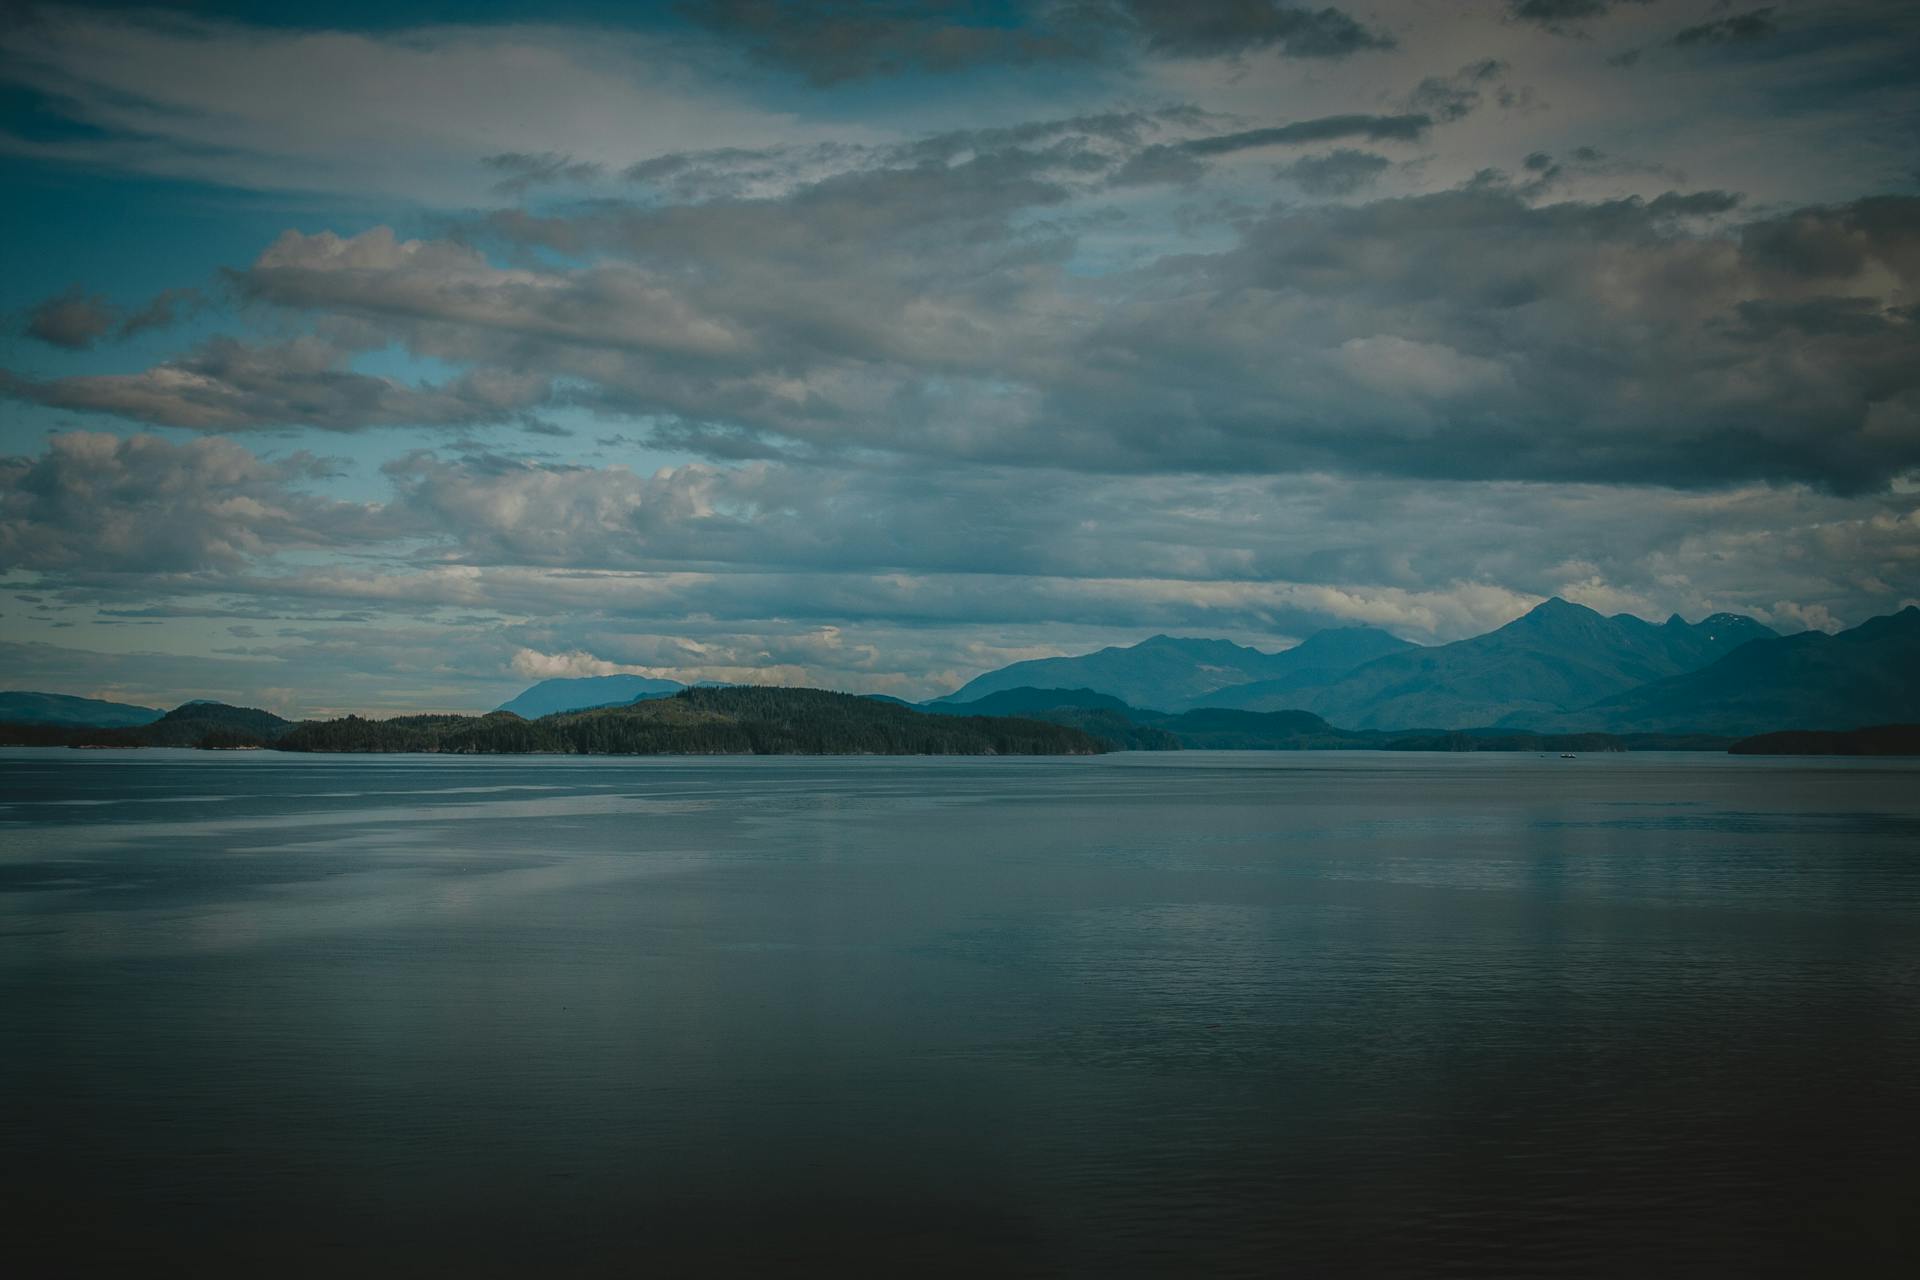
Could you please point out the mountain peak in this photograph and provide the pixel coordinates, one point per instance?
(1907, 619)
(578, 693)
(1555, 614)
(1213, 650)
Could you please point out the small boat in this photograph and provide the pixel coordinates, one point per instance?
(1566, 755)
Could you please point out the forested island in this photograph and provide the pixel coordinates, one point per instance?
(720, 721)
(729, 721)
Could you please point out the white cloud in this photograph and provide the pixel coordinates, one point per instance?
(534, 665)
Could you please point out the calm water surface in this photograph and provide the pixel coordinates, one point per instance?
(1200, 1013)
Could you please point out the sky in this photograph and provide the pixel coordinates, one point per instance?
(392, 357)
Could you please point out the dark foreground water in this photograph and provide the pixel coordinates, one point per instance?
(1317, 1013)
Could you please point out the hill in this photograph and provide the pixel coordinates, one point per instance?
(1876, 740)
(579, 693)
(1099, 715)
(1868, 675)
(1173, 673)
(1557, 658)
(23, 707)
(195, 724)
(213, 724)
(730, 721)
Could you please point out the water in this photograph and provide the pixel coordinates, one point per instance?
(1203, 1013)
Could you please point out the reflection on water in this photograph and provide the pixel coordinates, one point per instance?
(1371, 1014)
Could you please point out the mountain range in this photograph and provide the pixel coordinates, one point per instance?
(1869, 675)
(1171, 673)
(1557, 658)
(1561, 668)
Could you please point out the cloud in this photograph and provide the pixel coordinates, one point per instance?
(77, 320)
(525, 170)
(102, 504)
(1241, 26)
(1184, 161)
(228, 385)
(1457, 96)
(1740, 28)
(1395, 128)
(531, 664)
(1337, 173)
(410, 112)
(1424, 370)
(930, 310)
(1560, 15)
(74, 319)
(830, 42)
(906, 309)
(162, 311)
(906, 579)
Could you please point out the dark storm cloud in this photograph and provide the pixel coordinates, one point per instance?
(1740, 28)
(1399, 128)
(1185, 161)
(77, 320)
(74, 319)
(833, 41)
(1560, 15)
(1456, 96)
(1835, 55)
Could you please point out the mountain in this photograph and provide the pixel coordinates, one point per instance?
(1173, 673)
(1867, 676)
(1021, 701)
(21, 707)
(1098, 714)
(581, 692)
(1555, 659)
(741, 720)
(1321, 658)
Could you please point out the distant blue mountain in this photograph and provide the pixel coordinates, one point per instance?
(20, 707)
(1170, 673)
(1557, 658)
(581, 693)
(1869, 675)
(1321, 658)
(1023, 701)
